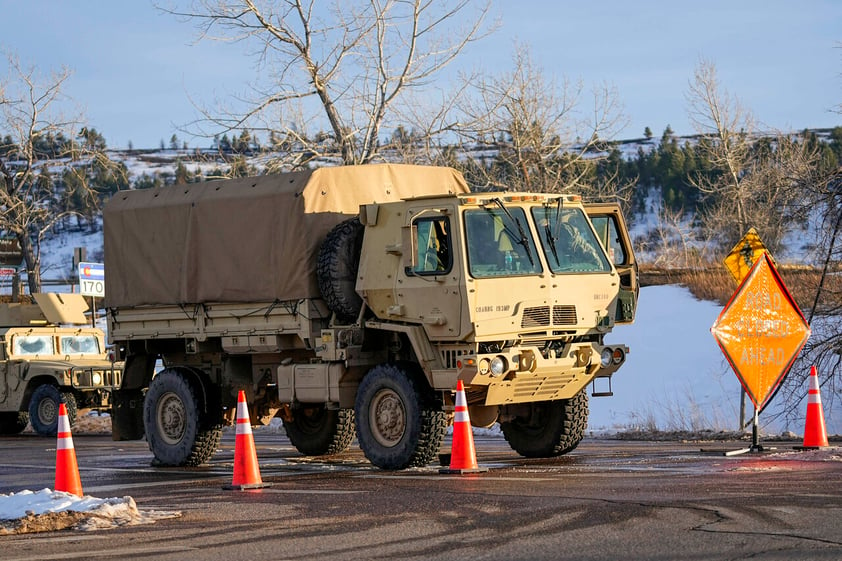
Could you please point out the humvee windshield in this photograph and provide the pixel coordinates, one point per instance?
(500, 243)
(42, 345)
(568, 242)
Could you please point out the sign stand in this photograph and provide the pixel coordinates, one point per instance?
(755, 447)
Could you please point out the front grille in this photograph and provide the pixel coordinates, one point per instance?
(540, 316)
(564, 315)
(450, 356)
(536, 317)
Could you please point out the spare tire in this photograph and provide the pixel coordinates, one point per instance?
(339, 261)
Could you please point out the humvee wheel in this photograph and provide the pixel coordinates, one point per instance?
(173, 420)
(339, 261)
(13, 422)
(399, 422)
(318, 431)
(552, 428)
(43, 409)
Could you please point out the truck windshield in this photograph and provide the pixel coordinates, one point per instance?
(499, 243)
(79, 344)
(568, 242)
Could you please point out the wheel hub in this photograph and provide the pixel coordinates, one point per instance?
(388, 418)
(47, 411)
(172, 418)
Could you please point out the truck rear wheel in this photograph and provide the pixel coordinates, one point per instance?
(318, 431)
(399, 423)
(13, 422)
(43, 409)
(551, 428)
(339, 261)
(174, 423)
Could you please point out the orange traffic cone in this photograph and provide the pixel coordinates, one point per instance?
(246, 470)
(463, 456)
(815, 433)
(67, 471)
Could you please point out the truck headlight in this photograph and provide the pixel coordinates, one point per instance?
(605, 357)
(97, 378)
(610, 356)
(499, 365)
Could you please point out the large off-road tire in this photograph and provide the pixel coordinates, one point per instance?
(43, 409)
(318, 431)
(176, 427)
(400, 424)
(339, 261)
(13, 422)
(551, 429)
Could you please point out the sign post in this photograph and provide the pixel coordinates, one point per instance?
(92, 283)
(761, 331)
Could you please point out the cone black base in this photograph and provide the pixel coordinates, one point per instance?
(246, 486)
(463, 471)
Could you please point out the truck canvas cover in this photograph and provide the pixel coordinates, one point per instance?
(253, 239)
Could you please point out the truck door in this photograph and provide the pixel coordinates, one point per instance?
(607, 219)
(428, 288)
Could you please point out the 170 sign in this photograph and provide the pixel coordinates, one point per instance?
(92, 279)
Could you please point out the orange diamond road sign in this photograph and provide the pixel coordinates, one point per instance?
(744, 255)
(761, 331)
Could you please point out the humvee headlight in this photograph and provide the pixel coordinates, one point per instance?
(484, 366)
(499, 365)
(96, 378)
(618, 356)
(605, 357)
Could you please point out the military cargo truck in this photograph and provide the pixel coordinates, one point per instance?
(49, 355)
(348, 301)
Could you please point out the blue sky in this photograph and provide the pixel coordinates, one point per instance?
(135, 69)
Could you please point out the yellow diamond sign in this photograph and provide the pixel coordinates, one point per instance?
(761, 331)
(744, 255)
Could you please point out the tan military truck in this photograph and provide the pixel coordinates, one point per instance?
(349, 301)
(47, 355)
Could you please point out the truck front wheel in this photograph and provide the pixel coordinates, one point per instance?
(318, 431)
(551, 428)
(399, 423)
(43, 409)
(174, 422)
(13, 422)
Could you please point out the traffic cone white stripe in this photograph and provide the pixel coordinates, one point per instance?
(815, 398)
(64, 442)
(461, 416)
(243, 421)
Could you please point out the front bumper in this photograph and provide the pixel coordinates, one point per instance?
(530, 375)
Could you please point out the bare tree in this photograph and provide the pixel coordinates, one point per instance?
(347, 64)
(534, 133)
(34, 133)
(753, 181)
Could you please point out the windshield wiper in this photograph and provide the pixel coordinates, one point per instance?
(553, 233)
(521, 237)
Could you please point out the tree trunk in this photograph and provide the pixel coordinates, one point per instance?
(33, 266)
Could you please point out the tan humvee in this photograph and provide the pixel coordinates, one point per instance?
(349, 301)
(43, 364)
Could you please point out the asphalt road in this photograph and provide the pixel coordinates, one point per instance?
(607, 500)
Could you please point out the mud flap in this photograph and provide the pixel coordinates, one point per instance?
(127, 415)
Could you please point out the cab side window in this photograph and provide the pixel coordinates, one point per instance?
(606, 228)
(432, 245)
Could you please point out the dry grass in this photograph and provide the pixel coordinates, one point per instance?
(714, 283)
